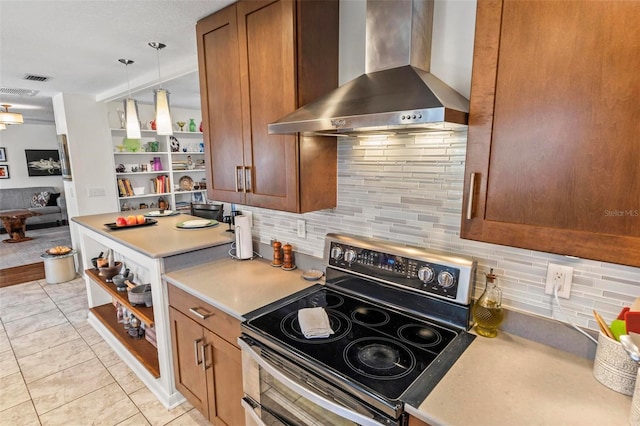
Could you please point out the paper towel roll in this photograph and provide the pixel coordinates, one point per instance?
(244, 243)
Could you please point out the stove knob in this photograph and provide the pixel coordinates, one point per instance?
(425, 274)
(350, 255)
(445, 279)
(336, 252)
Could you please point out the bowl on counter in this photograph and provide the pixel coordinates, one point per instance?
(109, 272)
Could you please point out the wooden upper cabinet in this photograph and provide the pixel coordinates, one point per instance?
(286, 54)
(218, 64)
(553, 155)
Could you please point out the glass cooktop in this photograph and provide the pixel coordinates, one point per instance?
(380, 349)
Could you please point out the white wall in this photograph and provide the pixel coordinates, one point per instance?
(15, 139)
(85, 123)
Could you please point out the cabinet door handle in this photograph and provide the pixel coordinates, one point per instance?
(195, 349)
(247, 178)
(195, 312)
(203, 354)
(472, 187)
(239, 179)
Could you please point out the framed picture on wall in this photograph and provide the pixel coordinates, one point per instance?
(4, 172)
(43, 162)
(3, 154)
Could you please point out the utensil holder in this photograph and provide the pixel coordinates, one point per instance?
(612, 366)
(634, 418)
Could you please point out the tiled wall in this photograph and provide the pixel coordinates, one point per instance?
(409, 190)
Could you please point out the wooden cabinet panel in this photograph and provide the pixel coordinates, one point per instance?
(553, 128)
(287, 56)
(227, 375)
(206, 359)
(187, 338)
(267, 69)
(214, 319)
(218, 64)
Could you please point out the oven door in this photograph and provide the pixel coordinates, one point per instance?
(279, 392)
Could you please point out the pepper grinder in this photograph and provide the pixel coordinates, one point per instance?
(288, 257)
(277, 253)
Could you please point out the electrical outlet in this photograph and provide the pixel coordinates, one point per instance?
(561, 277)
(302, 228)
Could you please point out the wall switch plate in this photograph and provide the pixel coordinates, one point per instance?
(96, 192)
(561, 276)
(302, 228)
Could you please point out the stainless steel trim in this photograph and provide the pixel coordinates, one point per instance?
(203, 353)
(247, 180)
(195, 312)
(365, 420)
(195, 349)
(236, 178)
(472, 188)
(465, 264)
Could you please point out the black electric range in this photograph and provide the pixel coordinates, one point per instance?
(399, 317)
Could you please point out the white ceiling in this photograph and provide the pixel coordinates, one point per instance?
(77, 43)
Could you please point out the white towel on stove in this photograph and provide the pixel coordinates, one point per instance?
(314, 323)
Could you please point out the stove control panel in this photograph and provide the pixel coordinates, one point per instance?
(435, 275)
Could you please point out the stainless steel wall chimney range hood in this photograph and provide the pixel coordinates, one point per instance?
(397, 94)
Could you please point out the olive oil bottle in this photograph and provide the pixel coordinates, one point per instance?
(487, 311)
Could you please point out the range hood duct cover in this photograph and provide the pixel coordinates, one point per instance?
(397, 94)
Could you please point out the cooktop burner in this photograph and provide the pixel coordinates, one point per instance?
(382, 350)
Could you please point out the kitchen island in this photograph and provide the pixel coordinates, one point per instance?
(149, 252)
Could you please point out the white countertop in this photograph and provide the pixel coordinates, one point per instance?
(509, 380)
(160, 240)
(238, 287)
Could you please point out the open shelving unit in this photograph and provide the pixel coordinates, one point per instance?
(190, 146)
(141, 349)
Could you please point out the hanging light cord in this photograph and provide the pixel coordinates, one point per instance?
(157, 45)
(159, 76)
(126, 63)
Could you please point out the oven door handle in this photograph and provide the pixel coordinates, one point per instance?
(336, 408)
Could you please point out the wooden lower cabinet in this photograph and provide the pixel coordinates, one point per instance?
(414, 421)
(207, 367)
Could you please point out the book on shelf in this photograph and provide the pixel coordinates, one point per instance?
(160, 184)
(124, 187)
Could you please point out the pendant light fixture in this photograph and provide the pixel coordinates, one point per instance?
(164, 126)
(7, 117)
(132, 122)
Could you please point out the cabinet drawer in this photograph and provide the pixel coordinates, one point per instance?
(206, 315)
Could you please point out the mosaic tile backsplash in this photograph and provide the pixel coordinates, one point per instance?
(408, 189)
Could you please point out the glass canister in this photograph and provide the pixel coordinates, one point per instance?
(487, 311)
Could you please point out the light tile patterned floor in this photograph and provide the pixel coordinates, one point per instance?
(56, 370)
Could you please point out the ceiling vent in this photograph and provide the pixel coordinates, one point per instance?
(33, 77)
(18, 92)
